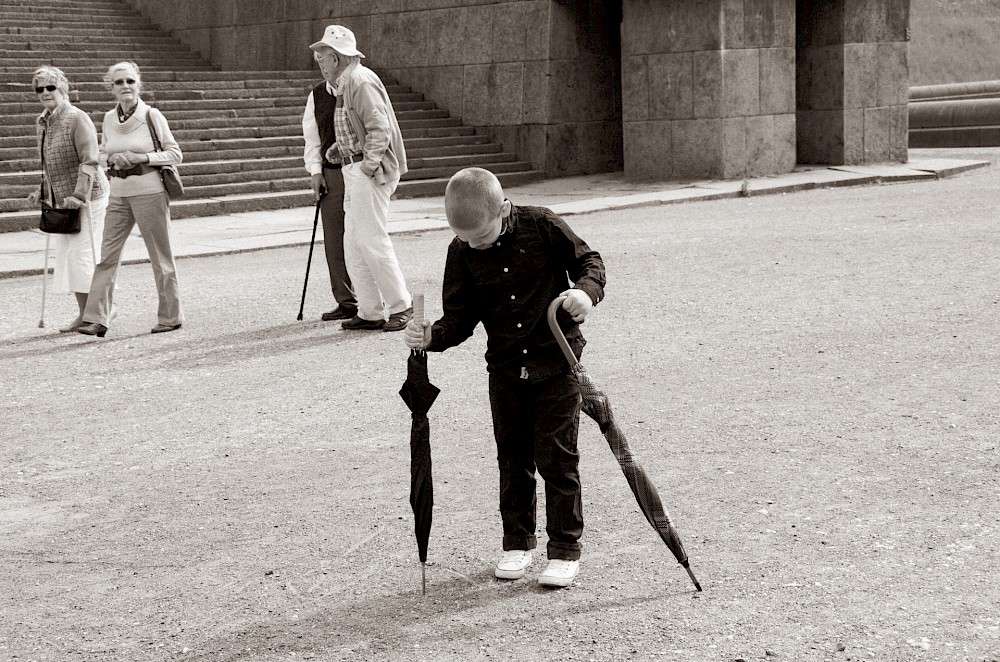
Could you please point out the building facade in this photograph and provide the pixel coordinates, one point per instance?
(661, 89)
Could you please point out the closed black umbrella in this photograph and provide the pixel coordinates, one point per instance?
(597, 406)
(419, 394)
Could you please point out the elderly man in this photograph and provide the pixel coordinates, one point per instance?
(369, 149)
(328, 187)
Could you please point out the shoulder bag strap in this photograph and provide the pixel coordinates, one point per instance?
(48, 196)
(152, 131)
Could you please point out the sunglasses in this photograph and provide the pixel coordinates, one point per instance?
(123, 81)
(50, 88)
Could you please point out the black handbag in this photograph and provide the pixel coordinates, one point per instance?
(55, 221)
(59, 221)
(168, 173)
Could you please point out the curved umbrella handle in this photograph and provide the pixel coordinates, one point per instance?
(557, 332)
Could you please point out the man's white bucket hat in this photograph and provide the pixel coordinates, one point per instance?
(339, 39)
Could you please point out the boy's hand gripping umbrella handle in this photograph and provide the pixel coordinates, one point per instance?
(557, 332)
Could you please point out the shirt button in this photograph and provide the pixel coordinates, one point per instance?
(512, 297)
(519, 325)
(505, 269)
(524, 351)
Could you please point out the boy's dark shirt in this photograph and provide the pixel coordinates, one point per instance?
(509, 286)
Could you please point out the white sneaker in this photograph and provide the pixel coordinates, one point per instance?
(512, 564)
(559, 573)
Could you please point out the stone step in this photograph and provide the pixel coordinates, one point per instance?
(412, 128)
(156, 74)
(81, 13)
(8, 22)
(117, 8)
(188, 109)
(37, 41)
(20, 164)
(95, 84)
(12, 153)
(962, 136)
(442, 132)
(14, 161)
(430, 162)
(61, 5)
(18, 141)
(300, 197)
(64, 4)
(240, 131)
(64, 7)
(74, 71)
(468, 137)
(52, 12)
(237, 144)
(226, 183)
(94, 88)
(156, 55)
(211, 178)
(417, 147)
(40, 45)
(43, 14)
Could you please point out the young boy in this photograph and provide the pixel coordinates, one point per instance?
(504, 268)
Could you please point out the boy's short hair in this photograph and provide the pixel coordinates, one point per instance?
(473, 197)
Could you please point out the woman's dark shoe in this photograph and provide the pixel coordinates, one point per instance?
(164, 328)
(92, 329)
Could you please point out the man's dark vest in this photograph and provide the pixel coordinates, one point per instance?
(325, 108)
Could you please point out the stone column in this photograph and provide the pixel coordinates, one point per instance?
(708, 88)
(853, 81)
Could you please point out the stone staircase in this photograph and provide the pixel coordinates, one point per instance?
(955, 115)
(240, 131)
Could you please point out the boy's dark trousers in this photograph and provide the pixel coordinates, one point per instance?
(536, 426)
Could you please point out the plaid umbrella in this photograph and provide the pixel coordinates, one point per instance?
(419, 394)
(597, 406)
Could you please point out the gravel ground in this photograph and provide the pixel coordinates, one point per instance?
(811, 380)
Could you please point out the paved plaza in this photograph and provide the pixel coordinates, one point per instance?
(809, 376)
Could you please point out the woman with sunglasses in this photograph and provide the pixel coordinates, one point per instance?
(137, 197)
(67, 144)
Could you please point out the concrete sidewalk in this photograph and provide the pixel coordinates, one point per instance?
(22, 253)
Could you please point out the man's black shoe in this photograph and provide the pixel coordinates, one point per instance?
(340, 313)
(358, 324)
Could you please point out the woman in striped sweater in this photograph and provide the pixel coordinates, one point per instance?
(137, 197)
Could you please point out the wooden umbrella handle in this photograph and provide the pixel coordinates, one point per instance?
(557, 332)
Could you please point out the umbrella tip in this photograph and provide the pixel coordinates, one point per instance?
(693, 578)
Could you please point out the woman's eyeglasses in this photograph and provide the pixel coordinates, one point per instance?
(49, 88)
(123, 81)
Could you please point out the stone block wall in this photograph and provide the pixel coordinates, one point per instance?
(853, 81)
(666, 89)
(708, 88)
(540, 75)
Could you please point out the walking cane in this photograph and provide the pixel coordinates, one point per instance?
(309, 261)
(45, 278)
(91, 172)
